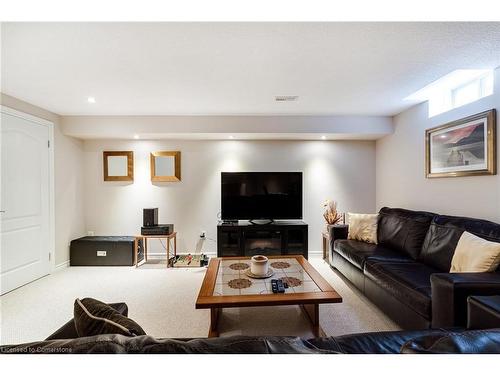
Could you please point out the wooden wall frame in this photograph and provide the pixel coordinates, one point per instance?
(177, 166)
(491, 142)
(130, 165)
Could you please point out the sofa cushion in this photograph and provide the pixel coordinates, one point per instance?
(357, 252)
(409, 282)
(444, 234)
(93, 317)
(68, 331)
(475, 254)
(403, 230)
(362, 227)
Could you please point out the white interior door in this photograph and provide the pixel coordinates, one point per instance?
(25, 201)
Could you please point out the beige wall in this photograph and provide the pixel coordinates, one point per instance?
(68, 160)
(341, 170)
(400, 167)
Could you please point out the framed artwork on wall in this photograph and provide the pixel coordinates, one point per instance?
(118, 165)
(466, 147)
(165, 166)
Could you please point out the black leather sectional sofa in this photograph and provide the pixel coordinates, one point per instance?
(66, 341)
(407, 273)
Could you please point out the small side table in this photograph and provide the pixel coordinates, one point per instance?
(145, 239)
(483, 312)
(326, 244)
(338, 231)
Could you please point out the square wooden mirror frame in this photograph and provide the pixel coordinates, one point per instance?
(130, 165)
(177, 166)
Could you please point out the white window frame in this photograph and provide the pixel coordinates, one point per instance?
(448, 97)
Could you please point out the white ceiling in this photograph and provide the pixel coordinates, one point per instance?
(236, 68)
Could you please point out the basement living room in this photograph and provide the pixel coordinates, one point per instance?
(266, 187)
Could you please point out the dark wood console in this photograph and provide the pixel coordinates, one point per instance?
(247, 239)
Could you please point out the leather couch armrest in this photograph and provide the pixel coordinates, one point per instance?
(68, 331)
(450, 292)
(337, 232)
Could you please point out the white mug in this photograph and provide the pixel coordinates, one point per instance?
(259, 265)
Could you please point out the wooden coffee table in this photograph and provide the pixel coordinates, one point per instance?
(226, 285)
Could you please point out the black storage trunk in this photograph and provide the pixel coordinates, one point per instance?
(102, 251)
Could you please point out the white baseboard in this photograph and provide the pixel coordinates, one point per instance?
(157, 255)
(316, 252)
(61, 266)
(213, 255)
(164, 256)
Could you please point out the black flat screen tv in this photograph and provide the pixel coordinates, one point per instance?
(261, 195)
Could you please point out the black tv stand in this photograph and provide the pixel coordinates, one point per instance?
(243, 238)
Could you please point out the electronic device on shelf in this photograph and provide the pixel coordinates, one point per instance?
(149, 217)
(158, 230)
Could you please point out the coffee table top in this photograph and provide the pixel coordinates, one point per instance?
(227, 285)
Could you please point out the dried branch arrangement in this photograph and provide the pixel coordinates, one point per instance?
(331, 215)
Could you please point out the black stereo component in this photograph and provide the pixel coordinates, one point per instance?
(158, 230)
(150, 217)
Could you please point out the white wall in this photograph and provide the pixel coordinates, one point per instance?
(68, 168)
(401, 179)
(341, 170)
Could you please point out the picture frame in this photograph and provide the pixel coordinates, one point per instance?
(165, 166)
(118, 165)
(465, 147)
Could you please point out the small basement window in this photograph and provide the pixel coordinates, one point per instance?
(456, 89)
(472, 91)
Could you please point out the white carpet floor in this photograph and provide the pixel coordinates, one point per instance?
(162, 301)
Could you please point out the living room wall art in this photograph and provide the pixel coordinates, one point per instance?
(165, 166)
(466, 147)
(118, 165)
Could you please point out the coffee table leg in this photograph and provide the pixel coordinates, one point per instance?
(312, 312)
(214, 320)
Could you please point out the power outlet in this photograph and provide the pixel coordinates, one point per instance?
(90, 233)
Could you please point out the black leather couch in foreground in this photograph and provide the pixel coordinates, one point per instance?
(66, 341)
(407, 273)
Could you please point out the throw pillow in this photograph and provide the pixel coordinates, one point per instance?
(475, 254)
(93, 317)
(362, 227)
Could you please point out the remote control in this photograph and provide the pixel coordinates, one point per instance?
(277, 286)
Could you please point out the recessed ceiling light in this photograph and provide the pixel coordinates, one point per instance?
(91, 99)
(136, 136)
(323, 137)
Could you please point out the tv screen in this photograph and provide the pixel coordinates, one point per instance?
(261, 195)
